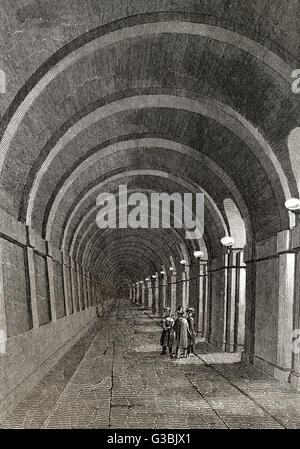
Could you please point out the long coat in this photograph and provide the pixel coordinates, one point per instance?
(192, 335)
(181, 329)
(167, 336)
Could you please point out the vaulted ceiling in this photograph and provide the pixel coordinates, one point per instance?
(168, 96)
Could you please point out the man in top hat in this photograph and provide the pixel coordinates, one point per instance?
(192, 335)
(181, 328)
(167, 336)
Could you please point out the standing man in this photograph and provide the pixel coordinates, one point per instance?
(192, 335)
(167, 336)
(181, 328)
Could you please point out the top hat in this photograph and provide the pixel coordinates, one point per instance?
(190, 309)
(180, 311)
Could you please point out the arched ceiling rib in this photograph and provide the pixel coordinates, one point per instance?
(215, 110)
(99, 38)
(120, 101)
(159, 180)
(248, 49)
(168, 239)
(145, 144)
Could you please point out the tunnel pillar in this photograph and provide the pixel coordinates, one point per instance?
(79, 286)
(295, 373)
(94, 296)
(143, 295)
(51, 283)
(149, 295)
(272, 268)
(89, 289)
(235, 301)
(3, 321)
(67, 283)
(285, 315)
(186, 287)
(217, 301)
(172, 287)
(74, 286)
(137, 296)
(226, 301)
(32, 285)
(168, 290)
(198, 293)
(162, 293)
(181, 287)
(274, 315)
(85, 289)
(155, 294)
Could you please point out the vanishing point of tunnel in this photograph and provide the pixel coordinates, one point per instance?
(149, 214)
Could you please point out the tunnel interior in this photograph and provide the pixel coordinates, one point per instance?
(194, 97)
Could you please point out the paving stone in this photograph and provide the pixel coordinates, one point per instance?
(114, 377)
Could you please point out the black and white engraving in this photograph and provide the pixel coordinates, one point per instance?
(149, 215)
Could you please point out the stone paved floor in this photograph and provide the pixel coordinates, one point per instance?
(114, 377)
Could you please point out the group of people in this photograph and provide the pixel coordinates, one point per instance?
(179, 333)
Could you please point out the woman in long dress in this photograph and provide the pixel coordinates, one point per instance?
(181, 328)
(167, 335)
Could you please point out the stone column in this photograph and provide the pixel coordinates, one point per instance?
(88, 293)
(275, 266)
(285, 316)
(84, 288)
(155, 284)
(79, 286)
(249, 257)
(185, 287)
(216, 324)
(173, 288)
(203, 302)
(180, 287)
(226, 302)
(93, 294)
(67, 283)
(143, 295)
(137, 299)
(162, 300)
(295, 373)
(198, 294)
(74, 286)
(235, 302)
(153, 309)
(168, 290)
(150, 294)
(50, 270)
(32, 285)
(3, 324)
